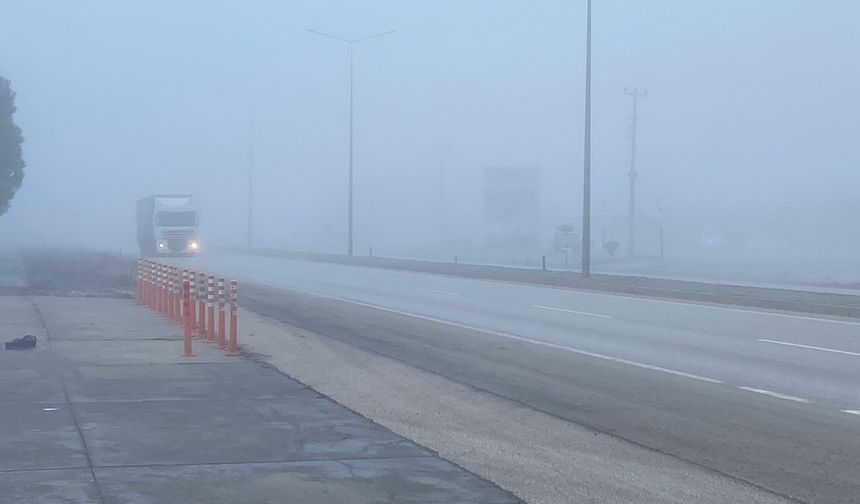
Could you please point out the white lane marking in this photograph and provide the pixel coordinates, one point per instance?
(775, 394)
(50, 409)
(552, 308)
(437, 291)
(524, 339)
(810, 347)
(586, 292)
(724, 308)
(851, 411)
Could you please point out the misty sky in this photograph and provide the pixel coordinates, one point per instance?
(750, 119)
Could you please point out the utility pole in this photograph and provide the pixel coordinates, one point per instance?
(441, 210)
(660, 209)
(251, 197)
(251, 189)
(586, 168)
(631, 216)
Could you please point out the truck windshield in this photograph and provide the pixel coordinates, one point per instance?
(176, 219)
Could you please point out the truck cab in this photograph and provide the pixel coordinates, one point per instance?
(167, 225)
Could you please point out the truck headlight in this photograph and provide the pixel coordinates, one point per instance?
(193, 245)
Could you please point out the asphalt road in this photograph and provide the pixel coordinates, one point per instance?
(771, 398)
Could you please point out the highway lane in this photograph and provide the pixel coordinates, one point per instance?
(806, 356)
(767, 397)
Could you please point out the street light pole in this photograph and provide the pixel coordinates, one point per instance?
(351, 114)
(351, 43)
(586, 169)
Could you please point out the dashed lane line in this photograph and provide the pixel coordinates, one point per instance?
(810, 347)
(437, 291)
(575, 312)
(775, 394)
(546, 344)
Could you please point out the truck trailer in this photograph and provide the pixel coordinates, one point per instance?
(167, 225)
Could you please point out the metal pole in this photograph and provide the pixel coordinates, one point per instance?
(351, 43)
(631, 215)
(660, 208)
(661, 242)
(351, 101)
(441, 213)
(251, 190)
(633, 174)
(586, 169)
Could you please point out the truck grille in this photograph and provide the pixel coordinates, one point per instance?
(177, 234)
(177, 245)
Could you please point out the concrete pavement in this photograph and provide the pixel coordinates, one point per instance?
(764, 396)
(105, 410)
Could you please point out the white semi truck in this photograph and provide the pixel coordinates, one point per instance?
(167, 225)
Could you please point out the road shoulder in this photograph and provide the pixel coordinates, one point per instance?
(536, 456)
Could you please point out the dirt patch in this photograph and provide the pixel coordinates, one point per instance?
(79, 273)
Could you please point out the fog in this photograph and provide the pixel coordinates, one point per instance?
(746, 140)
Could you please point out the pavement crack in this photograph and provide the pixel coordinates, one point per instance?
(83, 440)
(71, 408)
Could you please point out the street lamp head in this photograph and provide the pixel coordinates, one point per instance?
(311, 30)
(381, 34)
(349, 41)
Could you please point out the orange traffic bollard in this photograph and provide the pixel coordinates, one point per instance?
(183, 276)
(151, 288)
(192, 281)
(147, 292)
(168, 287)
(232, 350)
(186, 320)
(161, 290)
(177, 296)
(153, 291)
(146, 289)
(164, 290)
(221, 322)
(201, 304)
(210, 304)
(139, 283)
(157, 288)
(170, 293)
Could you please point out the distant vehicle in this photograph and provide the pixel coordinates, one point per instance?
(167, 225)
